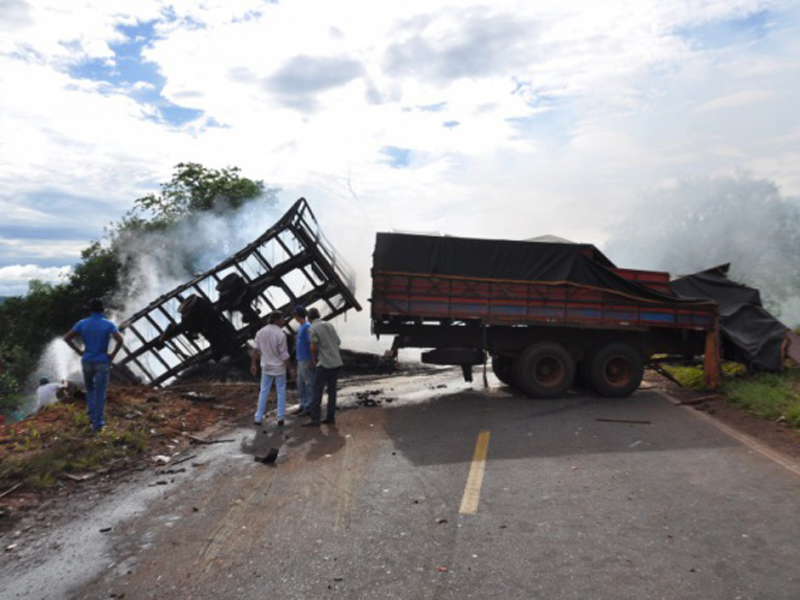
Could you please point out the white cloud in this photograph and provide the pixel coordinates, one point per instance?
(739, 99)
(14, 278)
(558, 113)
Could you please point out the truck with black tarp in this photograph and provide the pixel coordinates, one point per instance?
(547, 314)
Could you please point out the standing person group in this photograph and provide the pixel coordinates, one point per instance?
(326, 356)
(318, 364)
(96, 332)
(271, 349)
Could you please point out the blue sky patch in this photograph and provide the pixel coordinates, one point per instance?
(718, 34)
(451, 124)
(398, 158)
(129, 69)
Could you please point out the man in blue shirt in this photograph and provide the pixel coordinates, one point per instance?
(305, 367)
(96, 331)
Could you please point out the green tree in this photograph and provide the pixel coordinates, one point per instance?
(193, 189)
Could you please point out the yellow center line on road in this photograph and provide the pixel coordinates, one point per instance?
(472, 493)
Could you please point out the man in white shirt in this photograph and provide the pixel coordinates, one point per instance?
(271, 349)
(48, 393)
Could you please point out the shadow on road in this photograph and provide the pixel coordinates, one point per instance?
(525, 428)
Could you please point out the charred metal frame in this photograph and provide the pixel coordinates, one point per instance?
(215, 314)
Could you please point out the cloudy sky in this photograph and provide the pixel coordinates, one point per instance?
(497, 119)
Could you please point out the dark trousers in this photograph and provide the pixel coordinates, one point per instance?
(324, 378)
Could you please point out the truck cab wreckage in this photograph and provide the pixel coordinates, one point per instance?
(216, 313)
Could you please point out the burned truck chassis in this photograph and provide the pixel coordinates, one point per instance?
(471, 343)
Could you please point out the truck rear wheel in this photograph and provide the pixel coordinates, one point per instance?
(615, 370)
(503, 368)
(544, 370)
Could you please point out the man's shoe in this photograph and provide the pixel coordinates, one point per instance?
(257, 423)
(280, 422)
(329, 421)
(298, 412)
(310, 424)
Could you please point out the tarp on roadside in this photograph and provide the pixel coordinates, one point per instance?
(750, 334)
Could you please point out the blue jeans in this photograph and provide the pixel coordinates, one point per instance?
(95, 377)
(280, 388)
(305, 384)
(325, 378)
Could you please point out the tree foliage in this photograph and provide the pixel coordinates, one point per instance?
(192, 189)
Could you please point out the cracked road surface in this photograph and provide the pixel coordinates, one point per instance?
(581, 497)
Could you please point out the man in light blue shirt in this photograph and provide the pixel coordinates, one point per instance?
(96, 332)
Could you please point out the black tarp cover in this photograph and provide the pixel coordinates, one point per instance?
(581, 264)
(750, 334)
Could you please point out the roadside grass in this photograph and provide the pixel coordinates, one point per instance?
(771, 396)
(36, 454)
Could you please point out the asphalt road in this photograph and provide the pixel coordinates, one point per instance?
(579, 498)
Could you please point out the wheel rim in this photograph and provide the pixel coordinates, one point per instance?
(548, 371)
(618, 371)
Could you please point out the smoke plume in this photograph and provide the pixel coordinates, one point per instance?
(701, 222)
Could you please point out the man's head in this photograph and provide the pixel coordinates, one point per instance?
(43, 381)
(275, 318)
(300, 313)
(313, 314)
(96, 305)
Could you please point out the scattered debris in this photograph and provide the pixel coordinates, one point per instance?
(441, 521)
(441, 569)
(693, 401)
(9, 490)
(11, 547)
(269, 458)
(79, 477)
(367, 398)
(197, 397)
(184, 459)
(170, 471)
(105, 530)
(199, 440)
(161, 459)
(631, 421)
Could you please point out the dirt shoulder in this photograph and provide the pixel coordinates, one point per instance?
(145, 428)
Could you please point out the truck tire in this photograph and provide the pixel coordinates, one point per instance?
(615, 370)
(503, 368)
(544, 370)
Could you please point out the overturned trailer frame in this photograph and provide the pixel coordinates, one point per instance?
(217, 312)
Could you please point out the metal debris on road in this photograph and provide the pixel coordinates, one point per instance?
(198, 440)
(269, 458)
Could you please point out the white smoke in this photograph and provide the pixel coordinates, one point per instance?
(698, 223)
(158, 262)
